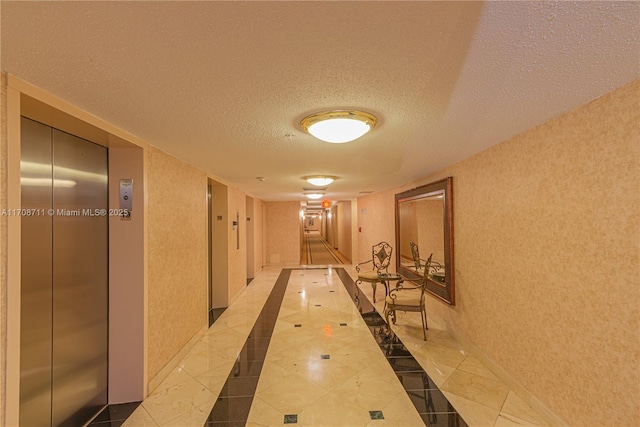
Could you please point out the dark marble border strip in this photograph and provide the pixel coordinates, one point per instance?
(430, 402)
(234, 402)
(114, 415)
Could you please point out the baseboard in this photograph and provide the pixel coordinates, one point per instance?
(173, 363)
(503, 375)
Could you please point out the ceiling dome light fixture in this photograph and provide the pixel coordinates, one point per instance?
(339, 126)
(320, 180)
(314, 196)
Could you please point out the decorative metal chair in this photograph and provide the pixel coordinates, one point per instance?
(409, 298)
(380, 259)
(437, 273)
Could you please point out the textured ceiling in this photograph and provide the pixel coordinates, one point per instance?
(224, 85)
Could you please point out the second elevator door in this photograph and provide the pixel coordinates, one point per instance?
(65, 277)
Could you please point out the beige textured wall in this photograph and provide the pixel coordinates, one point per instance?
(547, 255)
(376, 216)
(177, 251)
(237, 255)
(332, 225)
(282, 232)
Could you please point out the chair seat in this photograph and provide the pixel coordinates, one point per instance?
(369, 276)
(410, 297)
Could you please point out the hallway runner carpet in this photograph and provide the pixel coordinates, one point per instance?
(318, 251)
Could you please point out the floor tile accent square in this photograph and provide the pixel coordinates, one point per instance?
(291, 419)
(376, 415)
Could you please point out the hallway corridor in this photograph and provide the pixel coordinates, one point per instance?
(322, 366)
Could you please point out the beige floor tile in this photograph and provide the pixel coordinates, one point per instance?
(441, 354)
(478, 389)
(358, 355)
(186, 399)
(244, 329)
(514, 406)
(376, 386)
(437, 372)
(273, 374)
(322, 344)
(506, 420)
(213, 382)
(140, 418)
(342, 413)
(291, 397)
(175, 377)
(328, 373)
(202, 358)
(399, 412)
(286, 311)
(445, 338)
(324, 373)
(411, 333)
(472, 365)
(474, 414)
(225, 339)
(289, 343)
(239, 322)
(264, 415)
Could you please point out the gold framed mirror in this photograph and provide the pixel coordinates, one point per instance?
(424, 226)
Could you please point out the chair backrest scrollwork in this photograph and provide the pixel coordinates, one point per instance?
(415, 253)
(425, 276)
(381, 257)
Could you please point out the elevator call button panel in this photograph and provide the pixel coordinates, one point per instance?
(126, 194)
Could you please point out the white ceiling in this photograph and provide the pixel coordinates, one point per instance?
(224, 85)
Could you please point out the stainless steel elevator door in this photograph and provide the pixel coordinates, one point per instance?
(80, 279)
(36, 181)
(78, 286)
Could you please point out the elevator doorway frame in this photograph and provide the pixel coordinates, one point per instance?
(128, 286)
(66, 332)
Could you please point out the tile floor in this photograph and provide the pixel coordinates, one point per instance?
(318, 372)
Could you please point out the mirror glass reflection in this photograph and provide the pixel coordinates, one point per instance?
(423, 229)
(422, 234)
